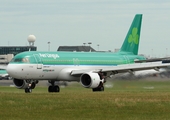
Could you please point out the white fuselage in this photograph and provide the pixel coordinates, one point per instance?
(34, 71)
(45, 72)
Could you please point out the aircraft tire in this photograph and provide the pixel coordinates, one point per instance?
(28, 90)
(102, 88)
(98, 89)
(56, 88)
(50, 89)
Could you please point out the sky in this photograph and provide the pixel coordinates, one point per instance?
(104, 23)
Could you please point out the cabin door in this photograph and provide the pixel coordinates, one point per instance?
(38, 60)
(126, 59)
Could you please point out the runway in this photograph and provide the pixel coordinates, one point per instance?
(6, 82)
(10, 83)
(40, 83)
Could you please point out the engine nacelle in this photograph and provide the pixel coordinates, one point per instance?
(91, 80)
(20, 84)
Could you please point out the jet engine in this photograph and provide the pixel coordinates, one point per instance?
(20, 84)
(23, 84)
(91, 80)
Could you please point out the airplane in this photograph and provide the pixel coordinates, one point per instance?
(91, 69)
(3, 72)
(138, 74)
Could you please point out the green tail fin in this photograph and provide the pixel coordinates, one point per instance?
(131, 42)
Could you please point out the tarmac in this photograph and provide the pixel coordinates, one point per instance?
(45, 82)
(6, 82)
(40, 83)
(10, 83)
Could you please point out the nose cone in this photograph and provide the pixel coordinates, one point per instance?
(11, 70)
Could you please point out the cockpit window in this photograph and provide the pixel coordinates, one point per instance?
(16, 60)
(23, 60)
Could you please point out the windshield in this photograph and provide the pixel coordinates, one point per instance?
(23, 60)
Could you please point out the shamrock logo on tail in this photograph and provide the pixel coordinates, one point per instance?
(134, 37)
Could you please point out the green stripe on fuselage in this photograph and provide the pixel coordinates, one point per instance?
(77, 58)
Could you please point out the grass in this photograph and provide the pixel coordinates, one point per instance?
(126, 100)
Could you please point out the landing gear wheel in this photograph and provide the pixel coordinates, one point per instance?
(102, 88)
(54, 88)
(28, 90)
(50, 88)
(98, 89)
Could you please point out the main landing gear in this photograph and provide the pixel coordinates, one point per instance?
(53, 87)
(99, 88)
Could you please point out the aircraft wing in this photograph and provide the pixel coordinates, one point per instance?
(164, 59)
(124, 68)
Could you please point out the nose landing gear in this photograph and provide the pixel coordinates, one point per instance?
(31, 85)
(28, 90)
